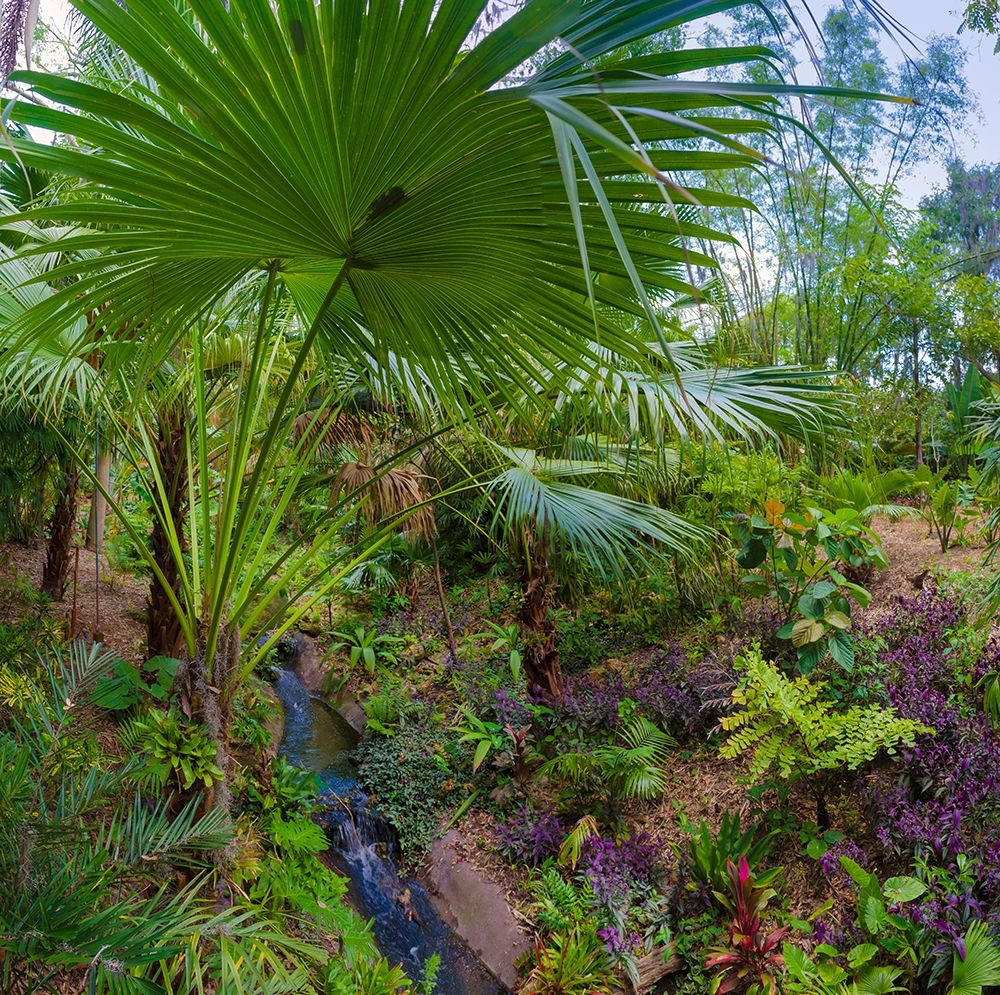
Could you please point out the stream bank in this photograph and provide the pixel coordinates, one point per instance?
(408, 927)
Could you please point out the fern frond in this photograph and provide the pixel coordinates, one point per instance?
(572, 846)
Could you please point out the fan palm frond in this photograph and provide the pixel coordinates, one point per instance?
(273, 142)
(614, 535)
(979, 968)
(868, 493)
(327, 430)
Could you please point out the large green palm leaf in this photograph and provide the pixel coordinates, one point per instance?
(364, 148)
(613, 535)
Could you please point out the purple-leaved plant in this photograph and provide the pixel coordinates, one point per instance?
(617, 942)
(528, 837)
(947, 801)
(509, 711)
(616, 868)
(830, 864)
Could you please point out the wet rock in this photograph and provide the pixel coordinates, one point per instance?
(353, 714)
(476, 909)
(307, 661)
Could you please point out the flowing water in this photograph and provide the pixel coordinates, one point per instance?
(363, 847)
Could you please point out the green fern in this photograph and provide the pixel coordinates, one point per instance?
(298, 835)
(790, 732)
(558, 904)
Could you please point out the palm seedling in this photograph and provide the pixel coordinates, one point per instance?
(631, 768)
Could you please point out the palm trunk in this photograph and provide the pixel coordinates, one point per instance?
(99, 504)
(164, 634)
(208, 681)
(541, 656)
(60, 545)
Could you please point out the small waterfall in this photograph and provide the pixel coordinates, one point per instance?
(363, 847)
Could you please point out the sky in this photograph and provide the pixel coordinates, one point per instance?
(978, 141)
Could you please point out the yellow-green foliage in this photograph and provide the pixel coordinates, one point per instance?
(793, 732)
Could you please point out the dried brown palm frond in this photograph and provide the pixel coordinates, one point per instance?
(327, 430)
(388, 494)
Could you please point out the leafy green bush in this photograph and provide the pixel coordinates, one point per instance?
(27, 622)
(795, 735)
(742, 482)
(252, 714)
(557, 905)
(946, 504)
(692, 936)
(413, 777)
(828, 972)
(291, 791)
(376, 978)
(799, 560)
(585, 639)
(508, 638)
(570, 963)
(709, 854)
(367, 648)
(82, 864)
(869, 493)
(390, 707)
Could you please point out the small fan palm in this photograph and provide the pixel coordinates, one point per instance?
(976, 963)
(543, 515)
(869, 494)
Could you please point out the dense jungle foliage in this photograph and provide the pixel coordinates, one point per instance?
(572, 395)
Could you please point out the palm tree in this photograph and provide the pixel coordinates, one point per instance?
(416, 194)
(57, 557)
(237, 459)
(48, 390)
(544, 514)
(164, 634)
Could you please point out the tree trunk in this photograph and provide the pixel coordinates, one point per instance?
(61, 531)
(541, 656)
(99, 504)
(822, 813)
(164, 634)
(443, 601)
(918, 434)
(207, 680)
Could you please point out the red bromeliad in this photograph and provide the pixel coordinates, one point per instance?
(752, 957)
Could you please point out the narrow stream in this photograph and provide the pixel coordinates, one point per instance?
(363, 847)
